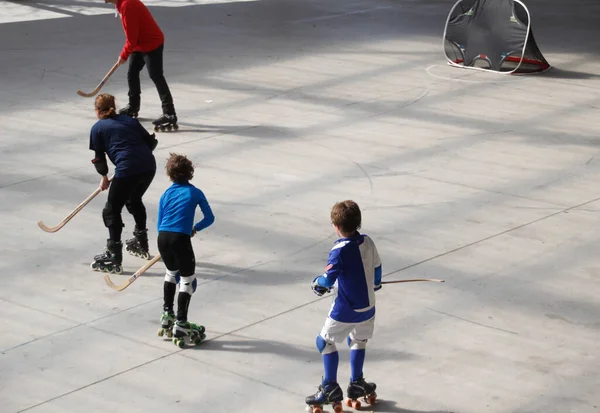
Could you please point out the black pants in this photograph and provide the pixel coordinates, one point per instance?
(178, 255)
(154, 61)
(126, 192)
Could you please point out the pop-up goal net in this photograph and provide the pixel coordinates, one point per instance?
(492, 35)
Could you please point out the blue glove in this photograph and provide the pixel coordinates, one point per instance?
(317, 289)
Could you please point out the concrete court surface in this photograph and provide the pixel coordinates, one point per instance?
(489, 182)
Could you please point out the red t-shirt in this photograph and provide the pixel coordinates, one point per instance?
(141, 31)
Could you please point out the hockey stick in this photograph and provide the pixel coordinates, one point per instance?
(413, 280)
(72, 214)
(134, 277)
(93, 92)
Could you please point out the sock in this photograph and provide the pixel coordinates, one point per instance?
(357, 360)
(330, 362)
(169, 296)
(183, 302)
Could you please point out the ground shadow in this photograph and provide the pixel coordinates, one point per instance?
(390, 406)
(556, 73)
(256, 346)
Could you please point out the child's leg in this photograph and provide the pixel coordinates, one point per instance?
(167, 251)
(331, 359)
(357, 341)
(186, 262)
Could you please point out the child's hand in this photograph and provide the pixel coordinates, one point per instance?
(317, 289)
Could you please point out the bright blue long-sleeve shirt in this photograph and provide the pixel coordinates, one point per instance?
(177, 207)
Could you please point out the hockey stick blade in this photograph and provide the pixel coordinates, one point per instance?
(62, 223)
(134, 277)
(414, 280)
(100, 85)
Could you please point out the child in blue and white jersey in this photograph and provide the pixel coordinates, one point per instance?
(355, 266)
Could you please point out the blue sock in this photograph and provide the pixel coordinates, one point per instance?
(330, 362)
(357, 360)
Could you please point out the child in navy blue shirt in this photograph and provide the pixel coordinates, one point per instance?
(354, 265)
(175, 228)
(129, 147)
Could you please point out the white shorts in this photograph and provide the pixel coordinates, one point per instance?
(336, 331)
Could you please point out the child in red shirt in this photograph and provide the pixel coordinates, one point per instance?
(144, 47)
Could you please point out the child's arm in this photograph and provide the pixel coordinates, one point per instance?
(377, 263)
(209, 217)
(160, 212)
(323, 283)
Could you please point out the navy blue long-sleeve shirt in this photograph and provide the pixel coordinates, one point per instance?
(177, 207)
(125, 141)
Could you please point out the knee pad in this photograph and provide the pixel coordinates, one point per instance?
(109, 217)
(324, 346)
(356, 344)
(172, 277)
(188, 284)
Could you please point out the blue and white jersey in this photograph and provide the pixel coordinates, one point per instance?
(355, 264)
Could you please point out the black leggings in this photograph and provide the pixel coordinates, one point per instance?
(154, 62)
(126, 192)
(177, 253)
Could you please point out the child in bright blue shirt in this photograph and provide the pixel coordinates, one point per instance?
(175, 228)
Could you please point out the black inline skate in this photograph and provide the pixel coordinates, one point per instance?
(185, 332)
(138, 245)
(359, 388)
(111, 259)
(166, 122)
(130, 110)
(330, 393)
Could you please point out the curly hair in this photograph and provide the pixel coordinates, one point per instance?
(105, 103)
(346, 216)
(179, 168)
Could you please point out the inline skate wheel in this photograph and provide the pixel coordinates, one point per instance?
(156, 128)
(372, 399)
(178, 342)
(176, 127)
(169, 128)
(317, 409)
(161, 332)
(337, 408)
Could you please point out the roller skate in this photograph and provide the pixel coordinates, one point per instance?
(187, 333)
(330, 393)
(360, 389)
(166, 122)
(111, 259)
(130, 110)
(138, 245)
(167, 320)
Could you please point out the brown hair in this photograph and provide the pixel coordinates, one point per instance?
(346, 216)
(105, 103)
(179, 168)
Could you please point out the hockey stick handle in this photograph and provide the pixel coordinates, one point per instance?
(414, 280)
(101, 84)
(73, 213)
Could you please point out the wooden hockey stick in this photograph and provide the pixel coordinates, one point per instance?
(93, 92)
(72, 214)
(413, 280)
(134, 277)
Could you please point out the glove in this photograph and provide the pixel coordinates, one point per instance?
(317, 289)
(154, 143)
(378, 287)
